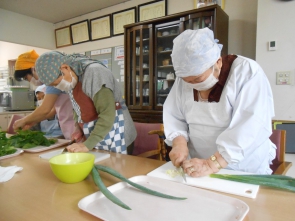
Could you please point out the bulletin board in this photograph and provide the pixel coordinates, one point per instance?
(113, 59)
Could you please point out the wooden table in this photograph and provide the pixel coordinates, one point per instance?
(36, 194)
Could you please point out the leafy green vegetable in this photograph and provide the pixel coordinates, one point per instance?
(5, 148)
(276, 181)
(22, 139)
(27, 139)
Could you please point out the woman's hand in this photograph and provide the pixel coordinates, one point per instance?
(198, 167)
(21, 123)
(77, 147)
(179, 152)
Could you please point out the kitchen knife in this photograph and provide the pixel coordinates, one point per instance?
(180, 170)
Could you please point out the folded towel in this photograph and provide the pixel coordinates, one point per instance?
(6, 173)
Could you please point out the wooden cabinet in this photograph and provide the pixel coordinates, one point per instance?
(149, 73)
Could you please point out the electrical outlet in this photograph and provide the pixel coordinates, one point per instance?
(284, 78)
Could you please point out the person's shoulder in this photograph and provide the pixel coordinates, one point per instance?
(245, 62)
(52, 90)
(96, 71)
(95, 67)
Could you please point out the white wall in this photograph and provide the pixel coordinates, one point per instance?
(10, 51)
(20, 29)
(242, 26)
(173, 7)
(242, 22)
(275, 22)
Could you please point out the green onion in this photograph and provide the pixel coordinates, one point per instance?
(276, 181)
(118, 175)
(105, 191)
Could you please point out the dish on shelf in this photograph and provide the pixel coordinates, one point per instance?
(166, 62)
(165, 33)
(167, 49)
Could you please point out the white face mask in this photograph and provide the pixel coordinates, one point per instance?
(35, 82)
(39, 102)
(65, 85)
(205, 85)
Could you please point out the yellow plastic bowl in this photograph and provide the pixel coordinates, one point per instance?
(72, 167)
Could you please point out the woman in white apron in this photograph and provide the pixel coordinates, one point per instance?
(218, 113)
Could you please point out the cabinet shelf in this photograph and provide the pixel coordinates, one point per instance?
(145, 39)
(167, 36)
(165, 52)
(162, 95)
(143, 54)
(166, 66)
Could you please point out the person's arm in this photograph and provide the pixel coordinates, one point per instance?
(175, 125)
(253, 110)
(51, 114)
(173, 114)
(41, 113)
(104, 103)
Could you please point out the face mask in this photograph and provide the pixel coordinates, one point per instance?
(35, 82)
(205, 85)
(65, 85)
(39, 102)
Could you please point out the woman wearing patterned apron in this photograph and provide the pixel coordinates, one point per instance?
(219, 110)
(96, 98)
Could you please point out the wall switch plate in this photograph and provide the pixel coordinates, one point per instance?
(284, 78)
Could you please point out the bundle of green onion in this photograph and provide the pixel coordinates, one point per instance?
(98, 181)
(276, 181)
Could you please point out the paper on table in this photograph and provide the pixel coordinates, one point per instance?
(6, 173)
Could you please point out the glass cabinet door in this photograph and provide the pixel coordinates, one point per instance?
(199, 20)
(164, 71)
(140, 75)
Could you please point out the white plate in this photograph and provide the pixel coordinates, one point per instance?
(18, 152)
(206, 182)
(98, 156)
(60, 142)
(199, 205)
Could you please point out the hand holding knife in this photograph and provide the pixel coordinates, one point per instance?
(180, 170)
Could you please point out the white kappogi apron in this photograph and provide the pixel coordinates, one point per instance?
(212, 119)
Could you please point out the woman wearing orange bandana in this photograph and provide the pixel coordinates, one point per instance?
(54, 99)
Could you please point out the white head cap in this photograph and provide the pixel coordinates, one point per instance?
(41, 88)
(194, 52)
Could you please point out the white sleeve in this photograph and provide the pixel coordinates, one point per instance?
(253, 109)
(173, 117)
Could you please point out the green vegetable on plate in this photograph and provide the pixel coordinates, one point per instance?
(275, 181)
(24, 139)
(112, 197)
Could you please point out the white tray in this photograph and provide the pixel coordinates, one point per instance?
(199, 205)
(98, 156)
(206, 182)
(60, 142)
(18, 152)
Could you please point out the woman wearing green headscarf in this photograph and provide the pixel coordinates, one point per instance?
(96, 98)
